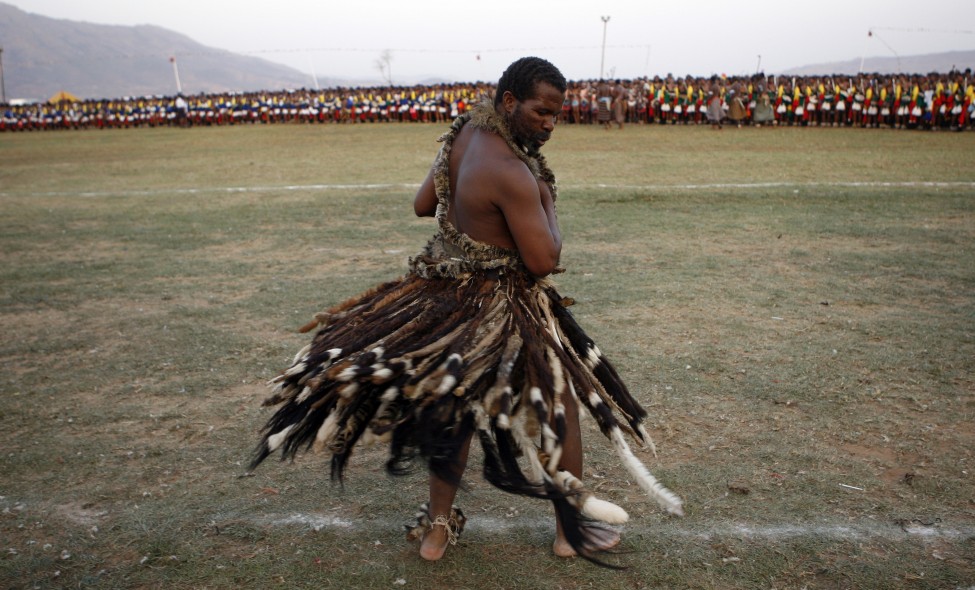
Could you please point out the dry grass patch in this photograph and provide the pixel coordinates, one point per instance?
(805, 352)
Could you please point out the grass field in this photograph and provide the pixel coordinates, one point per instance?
(795, 307)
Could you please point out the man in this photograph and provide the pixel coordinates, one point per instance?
(474, 341)
(619, 104)
(182, 111)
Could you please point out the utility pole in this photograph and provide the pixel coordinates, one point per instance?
(3, 86)
(179, 87)
(602, 62)
(863, 54)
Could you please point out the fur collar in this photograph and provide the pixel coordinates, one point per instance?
(484, 116)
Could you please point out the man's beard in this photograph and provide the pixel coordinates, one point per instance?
(529, 140)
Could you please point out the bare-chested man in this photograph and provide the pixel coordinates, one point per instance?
(475, 340)
(494, 198)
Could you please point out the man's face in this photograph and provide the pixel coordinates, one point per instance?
(532, 120)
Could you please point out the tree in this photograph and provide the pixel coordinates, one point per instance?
(384, 65)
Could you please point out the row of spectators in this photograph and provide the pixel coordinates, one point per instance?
(338, 105)
(933, 101)
(930, 101)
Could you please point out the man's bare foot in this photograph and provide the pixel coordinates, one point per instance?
(561, 548)
(434, 543)
(600, 539)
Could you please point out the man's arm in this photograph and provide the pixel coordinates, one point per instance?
(425, 201)
(529, 213)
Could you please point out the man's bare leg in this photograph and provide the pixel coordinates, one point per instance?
(442, 494)
(572, 462)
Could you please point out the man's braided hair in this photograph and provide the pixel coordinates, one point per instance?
(521, 77)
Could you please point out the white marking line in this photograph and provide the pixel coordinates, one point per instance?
(312, 521)
(413, 186)
(490, 525)
(215, 189)
(918, 184)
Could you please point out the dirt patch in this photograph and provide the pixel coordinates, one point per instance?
(83, 515)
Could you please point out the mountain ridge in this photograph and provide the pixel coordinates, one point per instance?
(43, 55)
(907, 64)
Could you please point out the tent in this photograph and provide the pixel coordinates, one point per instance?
(63, 96)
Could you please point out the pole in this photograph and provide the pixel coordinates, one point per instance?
(886, 44)
(863, 54)
(758, 68)
(311, 68)
(179, 87)
(3, 86)
(602, 62)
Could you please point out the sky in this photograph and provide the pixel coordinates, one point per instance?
(466, 41)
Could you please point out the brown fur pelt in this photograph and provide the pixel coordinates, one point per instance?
(413, 358)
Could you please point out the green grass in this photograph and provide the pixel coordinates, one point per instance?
(795, 307)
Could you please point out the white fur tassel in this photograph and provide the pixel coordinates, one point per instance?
(275, 440)
(535, 395)
(528, 448)
(592, 357)
(604, 511)
(591, 506)
(327, 431)
(647, 441)
(390, 394)
(664, 497)
(299, 368)
(302, 353)
(381, 373)
(447, 384)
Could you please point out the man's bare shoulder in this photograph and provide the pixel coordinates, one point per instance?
(492, 162)
(487, 144)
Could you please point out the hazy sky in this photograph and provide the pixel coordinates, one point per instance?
(465, 40)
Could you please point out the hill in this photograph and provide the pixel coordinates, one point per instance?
(907, 64)
(42, 56)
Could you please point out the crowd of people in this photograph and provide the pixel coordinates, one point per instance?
(922, 101)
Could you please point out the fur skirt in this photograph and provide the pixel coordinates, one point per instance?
(425, 362)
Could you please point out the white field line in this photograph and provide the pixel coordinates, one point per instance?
(489, 525)
(722, 185)
(210, 190)
(414, 186)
